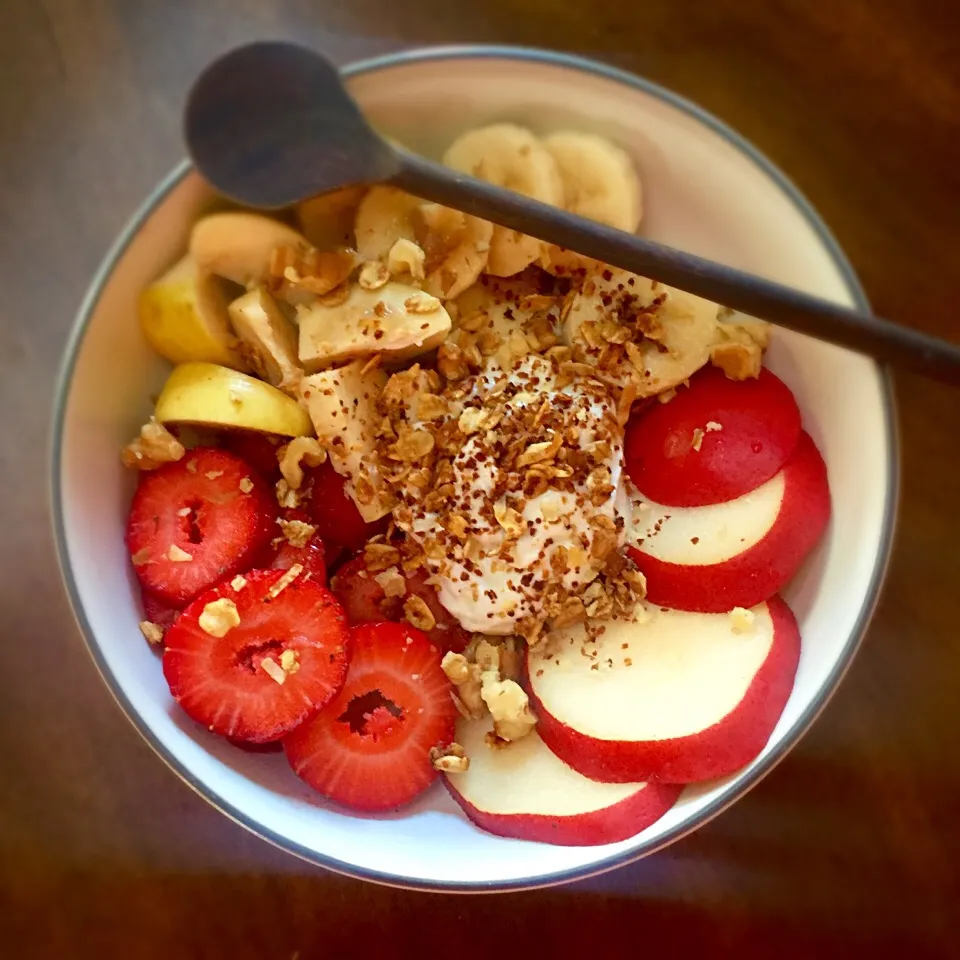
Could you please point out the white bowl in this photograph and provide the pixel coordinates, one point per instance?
(707, 191)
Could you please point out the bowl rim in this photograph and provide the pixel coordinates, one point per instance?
(524, 55)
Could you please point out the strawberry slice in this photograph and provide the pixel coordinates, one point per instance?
(364, 601)
(258, 449)
(369, 748)
(333, 511)
(311, 555)
(223, 682)
(158, 611)
(196, 521)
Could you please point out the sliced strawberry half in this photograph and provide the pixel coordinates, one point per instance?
(196, 521)
(222, 682)
(369, 749)
(311, 554)
(714, 441)
(364, 601)
(258, 449)
(333, 511)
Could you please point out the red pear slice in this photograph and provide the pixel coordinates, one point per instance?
(714, 441)
(523, 790)
(738, 553)
(679, 698)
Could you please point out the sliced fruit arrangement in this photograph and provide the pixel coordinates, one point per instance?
(681, 697)
(524, 790)
(376, 397)
(256, 656)
(740, 552)
(369, 749)
(196, 521)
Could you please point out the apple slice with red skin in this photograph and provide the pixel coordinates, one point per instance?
(738, 553)
(678, 698)
(714, 441)
(523, 790)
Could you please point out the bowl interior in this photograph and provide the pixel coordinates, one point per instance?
(704, 191)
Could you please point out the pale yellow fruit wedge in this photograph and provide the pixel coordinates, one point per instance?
(327, 220)
(184, 317)
(209, 395)
(238, 246)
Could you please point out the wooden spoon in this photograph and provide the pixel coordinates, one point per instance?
(271, 123)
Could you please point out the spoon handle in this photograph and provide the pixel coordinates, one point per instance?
(727, 286)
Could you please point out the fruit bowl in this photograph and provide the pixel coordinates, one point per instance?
(707, 191)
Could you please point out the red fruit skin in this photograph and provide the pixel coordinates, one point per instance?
(758, 573)
(232, 525)
(157, 611)
(760, 424)
(219, 682)
(335, 514)
(721, 749)
(609, 825)
(364, 601)
(368, 772)
(257, 449)
(311, 556)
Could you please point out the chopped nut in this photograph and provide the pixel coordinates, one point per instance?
(291, 457)
(412, 444)
(296, 532)
(450, 361)
(742, 620)
(739, 361)
(285, 581)
(290, 661)
(177, 555)
(430, 406)
(380, 556)
(418, 614)
(697, 441)
(450, 759)
(407, 257)
(273, 670)
(420, 303)
(540, 452)
(713, 426)
(238, 582)
(392, 582)
(509, 519)
(508, 705)
(465, 676)
(246, 485)
(475, 419)
(287, 497)
(155, 446)
(152, 633)
(373, 275)
(372, 364)
(219, 617)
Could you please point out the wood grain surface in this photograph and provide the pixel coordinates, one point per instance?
(851, 846)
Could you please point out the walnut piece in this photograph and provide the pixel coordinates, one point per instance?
(152, 632)
(406, 257)
(508, 705)
(465, 676)
(392, 582)
(293, 455)
(155, 446)
(219, 617)
(296, 532)
(449, 759)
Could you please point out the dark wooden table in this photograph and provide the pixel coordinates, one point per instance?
(849, 847)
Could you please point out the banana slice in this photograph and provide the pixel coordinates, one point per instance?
(208, 395)
(457, 248)
(512, 157)
(599, 179)
(384, 216)
(678, 329)
(327, 220)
